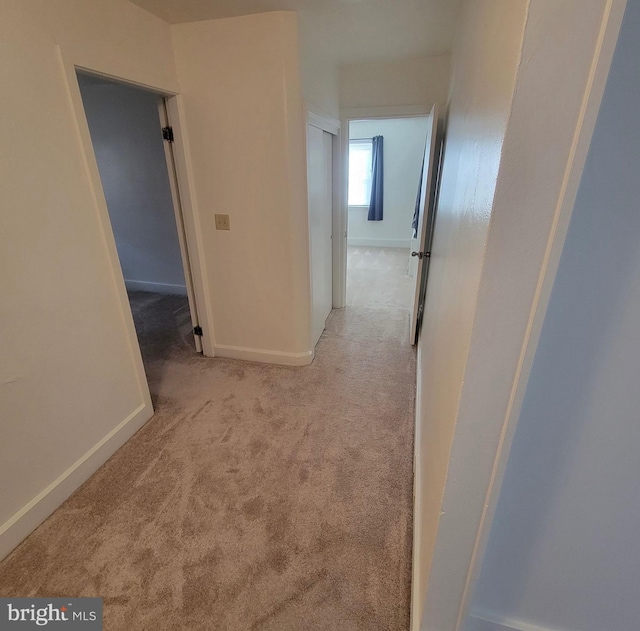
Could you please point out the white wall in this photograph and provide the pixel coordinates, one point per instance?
(415, 81)
(522, 84)
(404, 142)
(563, 552)
(319, 74)
(125, 132)
(240, 81)
(72, 385)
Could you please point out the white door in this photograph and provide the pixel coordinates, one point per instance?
(426, 222)
(182, 234)
(319, 182)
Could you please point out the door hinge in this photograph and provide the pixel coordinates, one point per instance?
(167, 133)
(197, 330)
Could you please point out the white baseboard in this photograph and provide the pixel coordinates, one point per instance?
(264, 357)
(483, 621)
(32, 514)
(379, 243)
(417, 589)
(158, 288)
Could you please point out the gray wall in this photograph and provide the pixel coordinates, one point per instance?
(125, 131)
(564, 550)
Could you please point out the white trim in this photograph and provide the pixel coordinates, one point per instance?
(417, 590)
(380, 243)
(599, 71)
(339, 227)
(321, 119)
(263, 356)
(483, 621)
(191, 218)
(178, 214)
(32, 514)
(390, 111)
(158, 288)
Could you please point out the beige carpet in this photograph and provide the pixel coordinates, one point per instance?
(258, 497)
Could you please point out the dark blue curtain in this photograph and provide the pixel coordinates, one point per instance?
(375, 204)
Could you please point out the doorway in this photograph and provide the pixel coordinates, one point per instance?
(131, 141)
(380, 272)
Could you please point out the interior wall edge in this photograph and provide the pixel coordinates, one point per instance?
(32, 514)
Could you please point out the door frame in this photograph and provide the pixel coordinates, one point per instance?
(170, 158)
(427, 203)
(324, 121)
(183, 197)
(341, 215)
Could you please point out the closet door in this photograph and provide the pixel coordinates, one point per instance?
(319, 182)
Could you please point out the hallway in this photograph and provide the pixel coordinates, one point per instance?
(257, 497)
(377, 278)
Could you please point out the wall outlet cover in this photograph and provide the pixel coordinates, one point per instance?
(222, 222)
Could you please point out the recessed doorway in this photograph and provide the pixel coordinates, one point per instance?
(131, 142)
(380, 269)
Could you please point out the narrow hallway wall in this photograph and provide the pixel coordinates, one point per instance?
(478, 118)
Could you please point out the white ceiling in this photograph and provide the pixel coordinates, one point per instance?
(348, 31)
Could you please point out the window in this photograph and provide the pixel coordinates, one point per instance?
(360, 172)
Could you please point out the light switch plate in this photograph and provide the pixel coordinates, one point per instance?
(222, 222)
